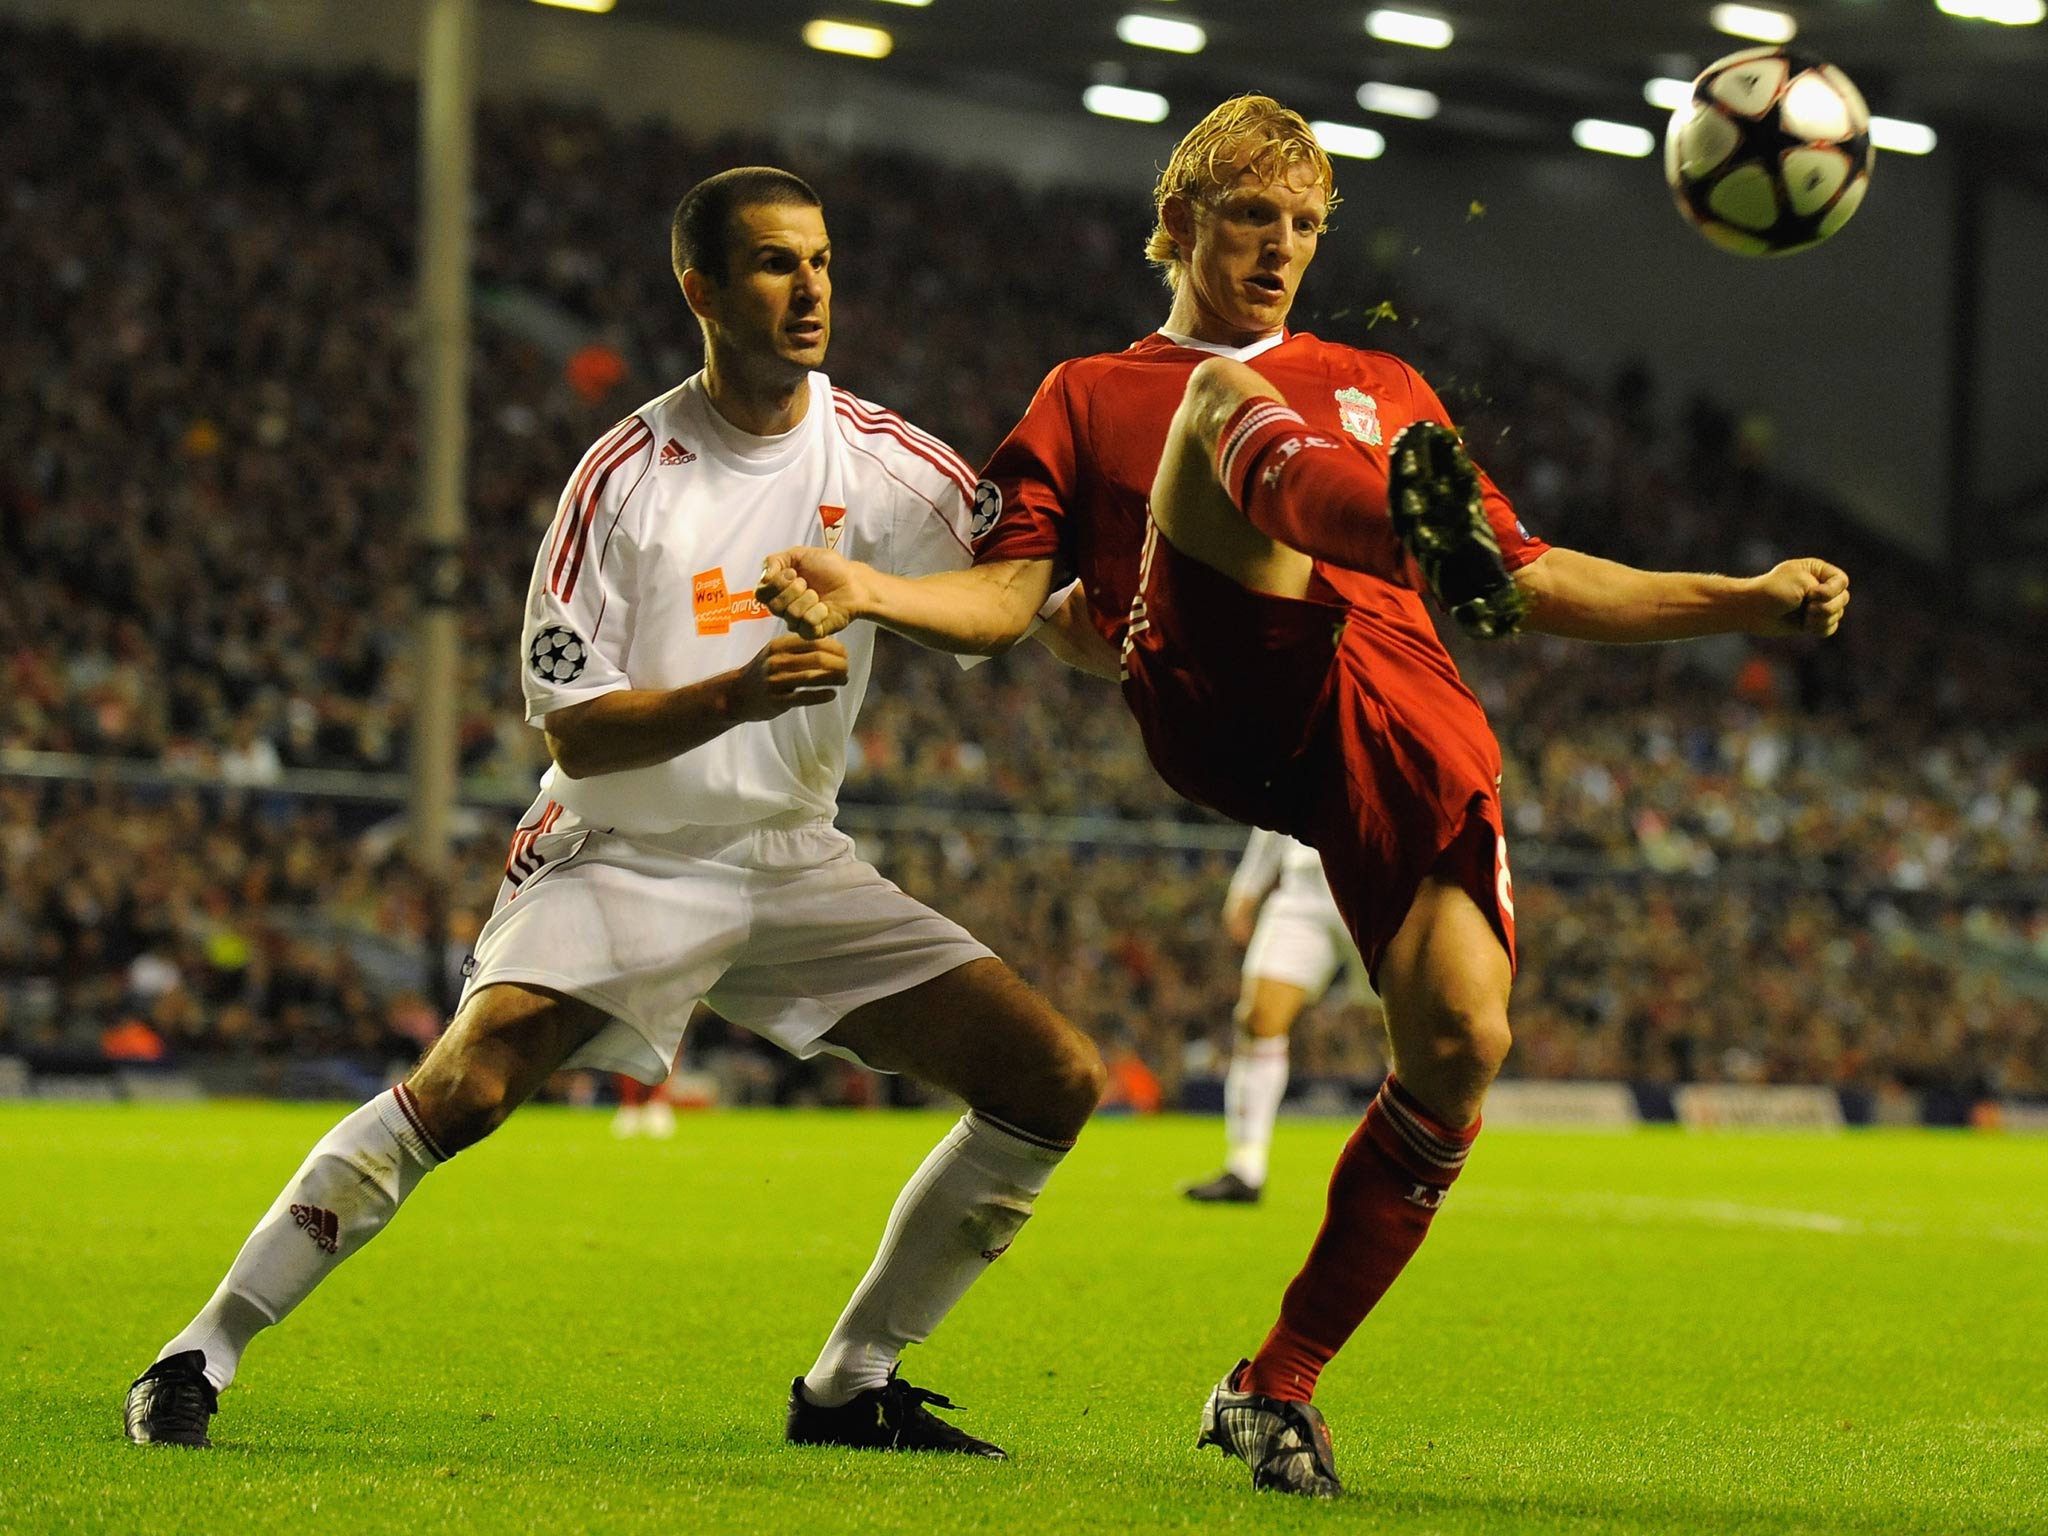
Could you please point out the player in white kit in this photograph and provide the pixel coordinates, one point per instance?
(682, 847)
(1292, 954)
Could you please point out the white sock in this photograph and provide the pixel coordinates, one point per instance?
(341, 1197)
(955, 1217)
(1252, 1090)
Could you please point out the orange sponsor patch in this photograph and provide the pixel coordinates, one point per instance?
(709, 601)
(717, 609)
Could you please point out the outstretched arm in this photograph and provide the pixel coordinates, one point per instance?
(982, 611)
(1583, 597)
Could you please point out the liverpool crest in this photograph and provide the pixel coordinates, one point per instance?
(1359, 414)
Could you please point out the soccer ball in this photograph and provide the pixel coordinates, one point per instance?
(1771, 154)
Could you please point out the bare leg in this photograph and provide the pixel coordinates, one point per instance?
(1189, 503)
(505, 1043)
(1296, 488)
(1269, 1008)
(983, 1034)
(1444, 981)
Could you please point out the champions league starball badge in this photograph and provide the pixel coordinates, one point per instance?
(988, 506)
(558, 654)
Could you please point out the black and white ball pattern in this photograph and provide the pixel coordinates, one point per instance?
(558, 654)
(988, 506)
(1771, 154)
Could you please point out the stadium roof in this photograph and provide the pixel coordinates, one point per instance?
(1516, 70)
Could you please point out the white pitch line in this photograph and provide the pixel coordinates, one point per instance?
(1646, 1210)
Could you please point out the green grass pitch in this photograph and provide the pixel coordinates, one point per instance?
(1644, 1332)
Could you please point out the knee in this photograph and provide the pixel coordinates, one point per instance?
(1460, 1047)
(463, 1106)
(1059, 1091)
(1213, 381)
(1217, 387)
(1087, 1073)
(502, 1046)
(1266, 1013)
(1075, 1077)
(1473, 1041)
(1451, 1063)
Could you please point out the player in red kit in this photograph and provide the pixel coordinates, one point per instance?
(1247, 508)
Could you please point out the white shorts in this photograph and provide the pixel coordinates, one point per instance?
(1300, 939)
(779, 928)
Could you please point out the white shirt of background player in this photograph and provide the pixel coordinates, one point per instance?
(1271, 858)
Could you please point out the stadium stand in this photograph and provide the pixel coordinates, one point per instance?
(1740, 862)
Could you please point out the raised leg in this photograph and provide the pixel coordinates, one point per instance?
(1189, 503)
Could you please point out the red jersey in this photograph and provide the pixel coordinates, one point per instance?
(1338, 717)
(1076, 474)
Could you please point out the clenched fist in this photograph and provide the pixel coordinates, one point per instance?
(1803, 596)
(814, 591)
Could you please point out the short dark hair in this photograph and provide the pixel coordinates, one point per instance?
(703, 223)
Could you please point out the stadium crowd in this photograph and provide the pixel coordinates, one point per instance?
(144, 926)
(207, 468)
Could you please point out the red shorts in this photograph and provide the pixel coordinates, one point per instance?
(1346, 729)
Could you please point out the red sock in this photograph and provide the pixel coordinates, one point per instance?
(1310, 492)
(632, 1092)
(1389, 1180)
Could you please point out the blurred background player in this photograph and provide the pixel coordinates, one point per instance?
(683, 846)
(644, 1111)
(1246, 507)
(1280, 908)
(650, 1109)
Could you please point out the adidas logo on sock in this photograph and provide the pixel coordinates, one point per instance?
(319, 1224)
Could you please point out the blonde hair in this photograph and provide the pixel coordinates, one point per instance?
(1245, 133)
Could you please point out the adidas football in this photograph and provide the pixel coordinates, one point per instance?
(1771, 153)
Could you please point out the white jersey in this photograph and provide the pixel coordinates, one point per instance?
(647, 580)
